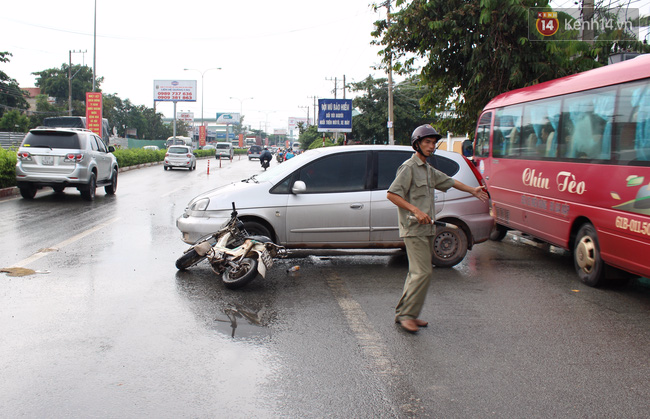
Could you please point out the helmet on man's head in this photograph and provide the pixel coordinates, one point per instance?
(424, 131)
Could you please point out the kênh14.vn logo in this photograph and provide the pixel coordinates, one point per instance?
(577, 24)
(547, 23)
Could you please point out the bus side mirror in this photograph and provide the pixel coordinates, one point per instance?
(468, 150)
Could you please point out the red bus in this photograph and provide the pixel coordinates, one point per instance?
(568, 162)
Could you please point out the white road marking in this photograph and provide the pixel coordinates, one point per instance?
(369, 339)
(44, 252)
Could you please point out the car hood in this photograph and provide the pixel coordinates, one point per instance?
(244, 194)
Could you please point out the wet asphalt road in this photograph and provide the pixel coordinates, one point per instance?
(106, 326)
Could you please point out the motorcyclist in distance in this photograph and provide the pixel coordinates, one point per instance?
(265, 157)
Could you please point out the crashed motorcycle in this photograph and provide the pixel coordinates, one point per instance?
(232, 253)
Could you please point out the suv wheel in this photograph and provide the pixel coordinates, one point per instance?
(28, 192)
(110, 189)
(89, 193)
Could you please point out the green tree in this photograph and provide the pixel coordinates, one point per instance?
(11, 97)
(472, 51)
(370, 126)
(14, 121)
(53, 82)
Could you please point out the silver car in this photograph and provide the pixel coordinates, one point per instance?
(180, 156)
(335, 197)
(65, 157)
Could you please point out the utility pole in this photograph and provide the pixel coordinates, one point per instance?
(306, 107)
(587, 19)
(335, 87)
(70, 76)
(391, 129)
(315, 106)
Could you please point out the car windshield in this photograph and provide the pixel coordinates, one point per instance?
(178, 150)
(52, 139)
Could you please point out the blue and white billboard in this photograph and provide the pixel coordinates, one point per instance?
(334, 115)
(228, 118)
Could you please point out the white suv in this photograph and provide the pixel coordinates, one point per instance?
(65, 157)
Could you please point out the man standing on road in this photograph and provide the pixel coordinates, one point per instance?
(413, 193)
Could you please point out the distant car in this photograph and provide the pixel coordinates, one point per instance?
(65, 157)
(254, 152)
(225, 150)
(335, 197)
(180, 156)
(150, 147)
(208, 147)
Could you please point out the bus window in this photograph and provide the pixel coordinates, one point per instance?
(632, 143)
(591, 118)
(507, 122)
(483, 135)
(539, 125)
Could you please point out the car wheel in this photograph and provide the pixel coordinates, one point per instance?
(245, 272)
(166, 168)
(499, 233)
(89, 193)
(112, 188)
(449, 247)
(28, 192)
(586, 257)
(254, 228)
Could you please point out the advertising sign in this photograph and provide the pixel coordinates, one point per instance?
(227, 118)
(202, 135)
(334, 115)
(279, 132)
(185, 117)
(94, 112)
(174, 90)
(293, 122)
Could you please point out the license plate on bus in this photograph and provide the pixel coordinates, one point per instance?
(267, 259)
(47, 160)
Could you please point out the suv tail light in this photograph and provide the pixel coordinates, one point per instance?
(24, 156)
(72, 157)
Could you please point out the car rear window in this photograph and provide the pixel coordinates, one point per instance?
(445, 165)
(389, 161)
(223, 146)
(52, 139)
(178, 150)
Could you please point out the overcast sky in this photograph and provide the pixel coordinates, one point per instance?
(281, 53)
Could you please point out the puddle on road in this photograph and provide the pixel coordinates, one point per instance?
(238, 322)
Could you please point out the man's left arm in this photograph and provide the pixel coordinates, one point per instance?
(478, 191)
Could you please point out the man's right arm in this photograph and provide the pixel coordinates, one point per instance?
(423, 218)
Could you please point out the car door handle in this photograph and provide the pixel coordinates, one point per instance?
(356, 206)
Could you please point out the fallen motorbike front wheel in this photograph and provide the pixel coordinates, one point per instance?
(188, 259)
(238, 277)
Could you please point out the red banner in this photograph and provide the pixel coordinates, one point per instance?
(94, 112)
(202, 135)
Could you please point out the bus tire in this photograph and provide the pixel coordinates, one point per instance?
(499, 233)
(586, 256)
(449, 247)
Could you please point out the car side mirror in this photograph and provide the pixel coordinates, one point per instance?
(298, 187)
(468, 150)
(111, 149)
